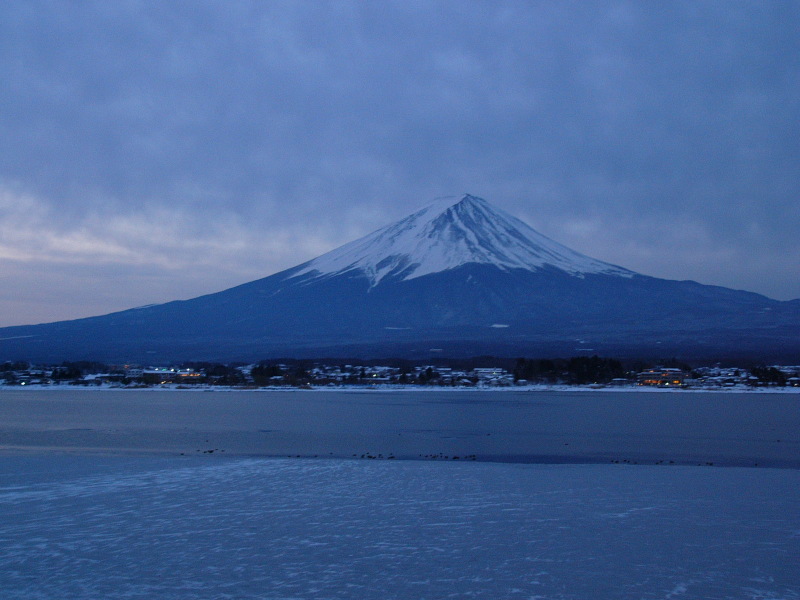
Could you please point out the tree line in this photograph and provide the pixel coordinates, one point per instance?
(578, 370)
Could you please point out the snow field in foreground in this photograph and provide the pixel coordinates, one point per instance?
(136, 527)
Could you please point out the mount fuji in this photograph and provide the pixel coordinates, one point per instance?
(457, 278)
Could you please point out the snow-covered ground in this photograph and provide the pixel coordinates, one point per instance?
(184, 528)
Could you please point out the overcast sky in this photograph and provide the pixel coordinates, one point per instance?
(152, 151)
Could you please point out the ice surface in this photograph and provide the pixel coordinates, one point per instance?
(450, 233)
(732, 429)
(212, 526)
(128, 527)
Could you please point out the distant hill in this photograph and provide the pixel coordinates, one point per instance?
(457, 278)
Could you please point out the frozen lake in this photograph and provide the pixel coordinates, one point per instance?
(115, 495)
(182, 528)
(734, 429)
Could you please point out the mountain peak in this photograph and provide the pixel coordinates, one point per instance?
(451, 232)
(445, 203)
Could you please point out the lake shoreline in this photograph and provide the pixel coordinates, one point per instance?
(545, 388)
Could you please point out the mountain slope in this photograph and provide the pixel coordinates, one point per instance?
(459, 276)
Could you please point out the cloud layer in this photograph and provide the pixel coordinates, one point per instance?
(154, 151)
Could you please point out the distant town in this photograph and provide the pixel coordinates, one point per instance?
(591, 372)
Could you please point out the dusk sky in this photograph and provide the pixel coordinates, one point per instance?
(152, 151)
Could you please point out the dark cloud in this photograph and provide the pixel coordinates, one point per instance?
(660, 136)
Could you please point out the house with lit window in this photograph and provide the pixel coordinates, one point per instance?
(662, 377)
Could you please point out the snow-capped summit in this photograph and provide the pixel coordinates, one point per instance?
(450, 233)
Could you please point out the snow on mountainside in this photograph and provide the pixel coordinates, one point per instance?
(448, 234)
